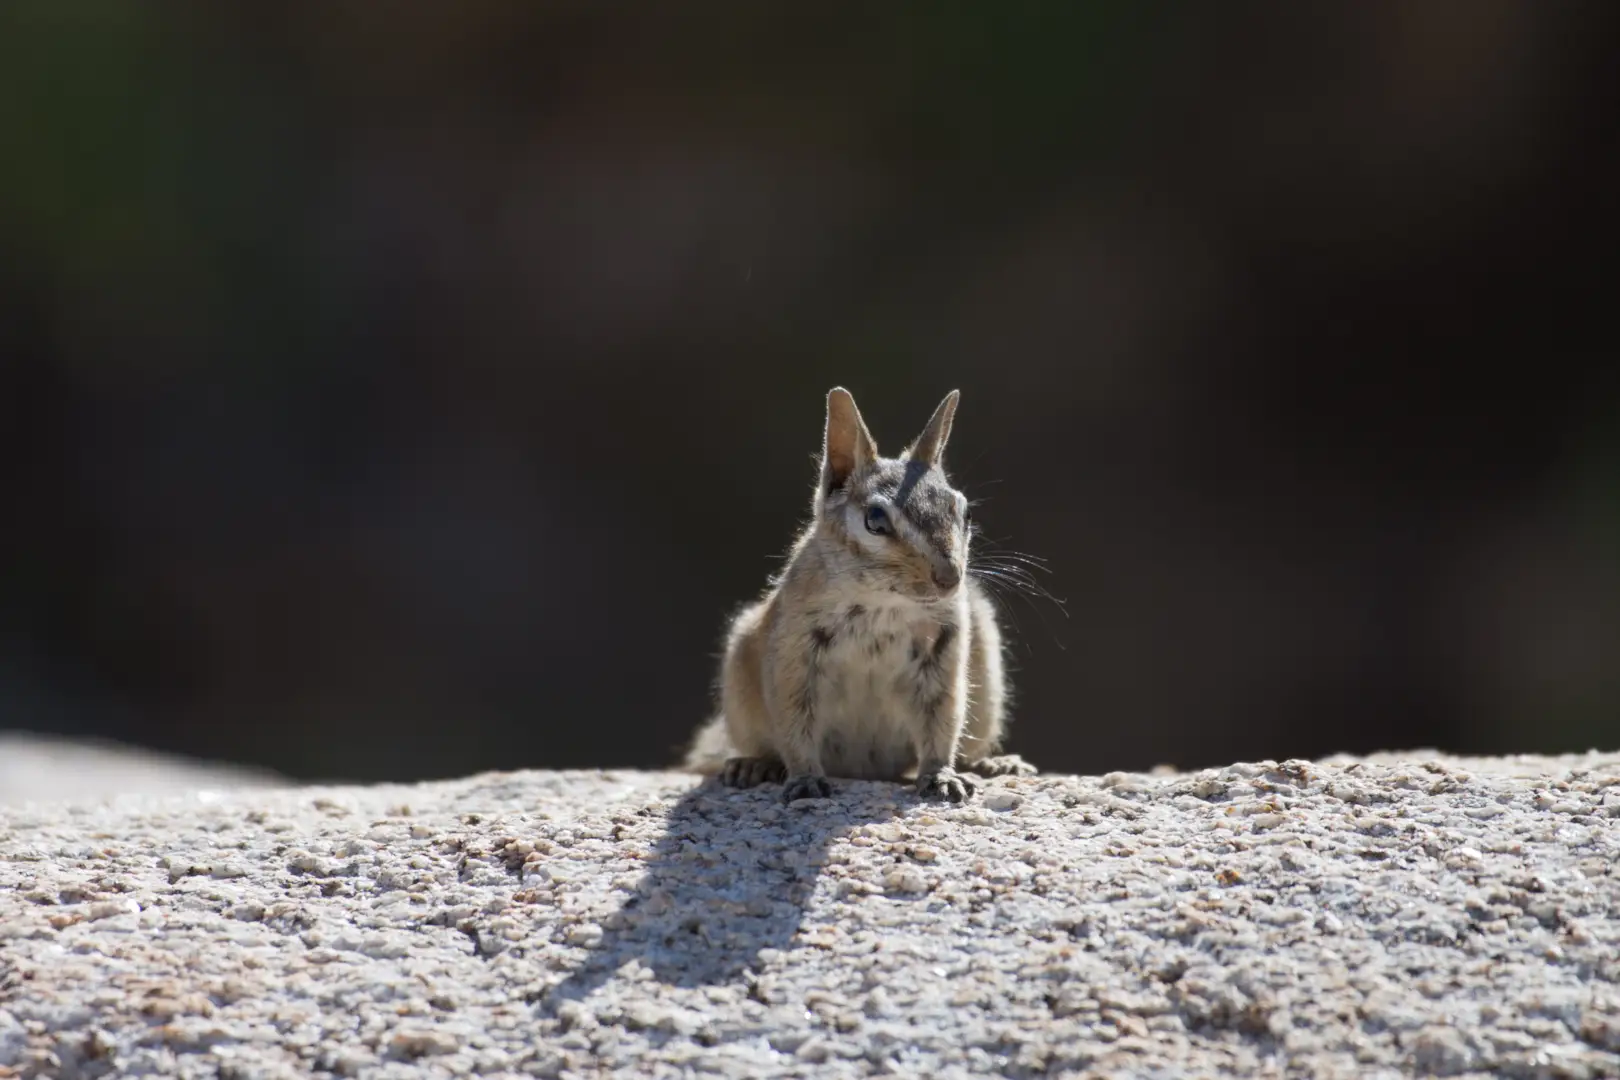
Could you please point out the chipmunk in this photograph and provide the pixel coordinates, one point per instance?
(873, 654)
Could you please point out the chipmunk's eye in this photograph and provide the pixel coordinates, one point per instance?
(877, 521)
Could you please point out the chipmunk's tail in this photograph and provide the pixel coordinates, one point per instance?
(710, 747)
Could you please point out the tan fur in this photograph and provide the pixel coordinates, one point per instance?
(873, 655)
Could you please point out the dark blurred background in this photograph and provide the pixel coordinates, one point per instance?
(394, 391)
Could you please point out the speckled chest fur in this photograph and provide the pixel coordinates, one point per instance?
(881, 659)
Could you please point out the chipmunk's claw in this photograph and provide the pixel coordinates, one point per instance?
(806, 786)
(1003, 765)
(946, 783)
(746, 772)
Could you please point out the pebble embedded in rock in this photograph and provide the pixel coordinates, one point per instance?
(1002, 800)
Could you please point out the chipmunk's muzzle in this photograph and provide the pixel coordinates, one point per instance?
(945, 569)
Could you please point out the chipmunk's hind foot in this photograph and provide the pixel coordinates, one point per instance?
(747, 772)
(1002, 765)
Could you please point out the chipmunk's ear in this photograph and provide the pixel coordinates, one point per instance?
(846, 446)
(929, 449)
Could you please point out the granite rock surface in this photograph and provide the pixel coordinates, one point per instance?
(39, 767)
(1393, 916)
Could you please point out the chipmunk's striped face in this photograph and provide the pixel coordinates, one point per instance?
(899, 515)
(906, 516)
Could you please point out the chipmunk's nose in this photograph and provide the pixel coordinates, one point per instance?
(947, 576)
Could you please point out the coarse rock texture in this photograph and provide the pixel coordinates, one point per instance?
(1342, 918)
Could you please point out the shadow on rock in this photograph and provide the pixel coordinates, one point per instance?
(732, 875)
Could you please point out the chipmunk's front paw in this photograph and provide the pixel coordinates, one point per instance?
(1003, 765)
(946, 783)
(743, 772)
(806, 786)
